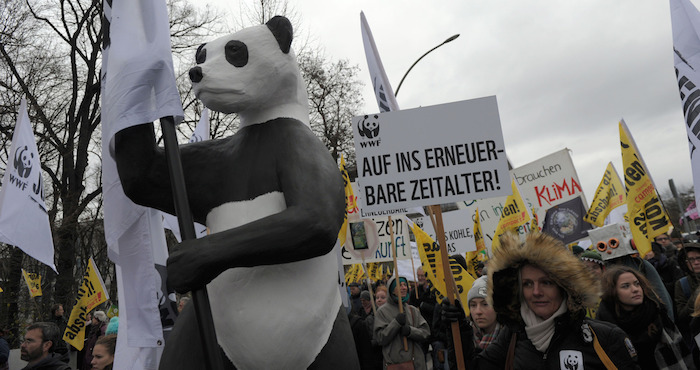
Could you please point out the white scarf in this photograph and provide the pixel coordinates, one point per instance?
(540, 332)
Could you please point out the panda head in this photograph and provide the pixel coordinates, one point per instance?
(252, 72)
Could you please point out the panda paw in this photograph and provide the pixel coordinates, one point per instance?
(187, 267)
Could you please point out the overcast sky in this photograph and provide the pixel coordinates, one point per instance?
(564, 73)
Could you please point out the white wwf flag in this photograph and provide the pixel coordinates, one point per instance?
(24, 221)
(138, 82)
(382, 89)
(685, 22)
(170, 222)
(380, 83)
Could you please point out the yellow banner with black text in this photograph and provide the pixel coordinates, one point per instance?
(432, 263)
(33, 283)
(645, 213)
(92, 293)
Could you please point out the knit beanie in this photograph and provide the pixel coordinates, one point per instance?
(592, 256)
(113, 326)
(478, 290)
(365, 295)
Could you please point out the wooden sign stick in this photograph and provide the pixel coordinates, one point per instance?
(396, 276)
(449, 282)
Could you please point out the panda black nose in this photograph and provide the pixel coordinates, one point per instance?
(196, 74)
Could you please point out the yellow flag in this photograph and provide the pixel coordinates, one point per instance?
(355, 274)
(1, 290)
(92, 292)
(474, 257)
(609, 195)
(375, 271)
(33, 283)
(350, 202)
(645, 213)
(515, 214)
(431, 259)
(113, 311)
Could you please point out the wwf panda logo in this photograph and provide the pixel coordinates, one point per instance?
(419, 223)
(570, 360)
(369, 126)
(23, 161)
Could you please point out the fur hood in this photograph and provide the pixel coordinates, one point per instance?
(549, 254)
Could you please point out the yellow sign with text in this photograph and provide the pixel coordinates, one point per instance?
(92, 293)
(474, 257)
(431, 260)
(515, 214)
(645, 213)
(609, 195)
(33, 283)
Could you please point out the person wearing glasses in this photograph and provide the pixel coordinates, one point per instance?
(686, 288)
(667, 245)
(39, 345)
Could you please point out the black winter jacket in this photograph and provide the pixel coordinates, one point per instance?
(571, 346)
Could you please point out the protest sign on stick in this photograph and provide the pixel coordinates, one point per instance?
(405, 162)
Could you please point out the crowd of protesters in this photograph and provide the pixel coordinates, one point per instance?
(534, 304)
(538, 304)
(43, 348)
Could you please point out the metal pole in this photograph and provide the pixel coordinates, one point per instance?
(200, 298)
(422, 56)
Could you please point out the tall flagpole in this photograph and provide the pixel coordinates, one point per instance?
(200, 297)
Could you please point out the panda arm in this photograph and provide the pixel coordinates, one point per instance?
(142, 168)
(144, 173)
(307, 228)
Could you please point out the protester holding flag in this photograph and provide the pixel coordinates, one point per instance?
(540, 291)
(390, 327)
(630, 303)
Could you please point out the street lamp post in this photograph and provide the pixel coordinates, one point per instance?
(422, 56)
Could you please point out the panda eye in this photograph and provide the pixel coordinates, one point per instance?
(236, 53)
(201, 54)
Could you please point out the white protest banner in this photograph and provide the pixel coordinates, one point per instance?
(430, 155)
(383, 253)
(458, 230)
(544, 183)
(549, 181)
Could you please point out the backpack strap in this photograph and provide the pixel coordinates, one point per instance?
(510, 358)
(601, 352)
(685, 285)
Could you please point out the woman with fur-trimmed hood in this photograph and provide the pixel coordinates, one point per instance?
(540, 292)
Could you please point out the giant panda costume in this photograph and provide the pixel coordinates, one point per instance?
(273, 200)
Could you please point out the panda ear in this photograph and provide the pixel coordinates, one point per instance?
(281, 28)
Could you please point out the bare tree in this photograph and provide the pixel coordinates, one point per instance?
(50, 53)
(334, 98)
